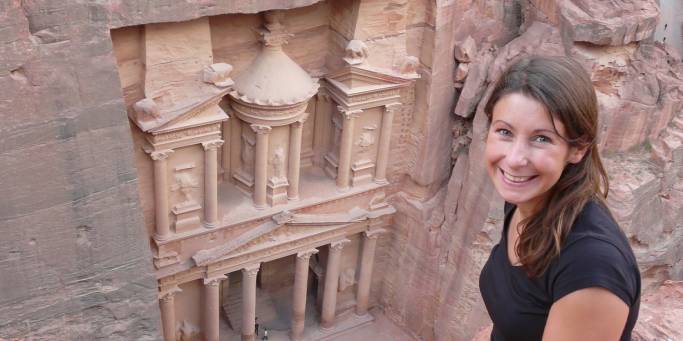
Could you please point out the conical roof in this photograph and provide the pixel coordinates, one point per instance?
(274, 79)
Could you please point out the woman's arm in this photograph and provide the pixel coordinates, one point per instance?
(591, 314)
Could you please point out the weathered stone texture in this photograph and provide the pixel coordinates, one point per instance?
(75, 258)
(661, 312)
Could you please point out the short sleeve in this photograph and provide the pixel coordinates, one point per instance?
(592, 262)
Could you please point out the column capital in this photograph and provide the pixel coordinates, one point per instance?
(261, 129)
(166, 294)
(214, 280)
(212, 144)
(306, 254)
(339, 244)
(349, 113)
(251, 270)
(392, 107)
(374, 233)
(157, 155)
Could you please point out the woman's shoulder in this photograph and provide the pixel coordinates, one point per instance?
(596, 223)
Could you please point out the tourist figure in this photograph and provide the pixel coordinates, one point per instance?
(265, 334)
(256, 325)
(575, 276)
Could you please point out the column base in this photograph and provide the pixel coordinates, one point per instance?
(361, 314)
(249, 337)
(260, 207)
(161, 237)
(343, 189)
(209, 225)
(296, 198)
(381, 181)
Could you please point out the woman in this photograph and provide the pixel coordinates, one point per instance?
(563, 269)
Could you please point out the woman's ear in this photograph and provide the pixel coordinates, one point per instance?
(576, 154)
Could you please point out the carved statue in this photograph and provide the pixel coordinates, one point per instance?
(185, 183)
(409, 65)
(146, 110)
(279, 163)
(356, 52)
(217, 74)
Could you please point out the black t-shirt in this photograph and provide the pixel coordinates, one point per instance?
(596, 253)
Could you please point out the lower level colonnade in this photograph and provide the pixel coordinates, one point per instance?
(211, 302)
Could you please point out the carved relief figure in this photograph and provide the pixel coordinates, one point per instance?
(367, 138)
(247, 153)
(347, 278)
(188, 331)
(336, 140)
(279, 163)
(185, 183)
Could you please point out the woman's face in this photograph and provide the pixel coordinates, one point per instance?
(525, 153)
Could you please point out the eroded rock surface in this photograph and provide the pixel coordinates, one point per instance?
(661, 314)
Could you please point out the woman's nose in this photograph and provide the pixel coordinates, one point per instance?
(518, 155)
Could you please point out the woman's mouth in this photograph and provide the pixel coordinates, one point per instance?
(516, 180)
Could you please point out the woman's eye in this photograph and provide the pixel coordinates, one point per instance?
(503, 132)
(542, 139)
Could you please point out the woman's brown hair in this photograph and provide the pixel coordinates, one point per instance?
(566, 91)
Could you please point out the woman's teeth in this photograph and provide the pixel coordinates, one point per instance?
(517, 178)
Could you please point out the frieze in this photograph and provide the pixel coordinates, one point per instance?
(374, 95)
(177, 135)
(274, 112)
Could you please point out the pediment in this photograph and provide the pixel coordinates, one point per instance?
(201, 109)
(355, 79)
(208, 113)
(285, 228)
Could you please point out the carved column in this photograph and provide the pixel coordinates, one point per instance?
(212, 307)
(260, 164)
(365, 277)
(167, 307)
(295, 137)
(299, 296)
(384, 143)
(344, 170)
(332, 283)
(211, 182)
(249, 301)
(161, 193)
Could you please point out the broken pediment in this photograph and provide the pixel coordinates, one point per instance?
(355, 84)
(181, 80)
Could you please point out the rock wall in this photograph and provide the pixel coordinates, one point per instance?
(446, 233)
(74, 254)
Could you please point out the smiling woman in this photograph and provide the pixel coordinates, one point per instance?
(563, 269)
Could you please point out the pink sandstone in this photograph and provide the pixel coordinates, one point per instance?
(80, 210)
